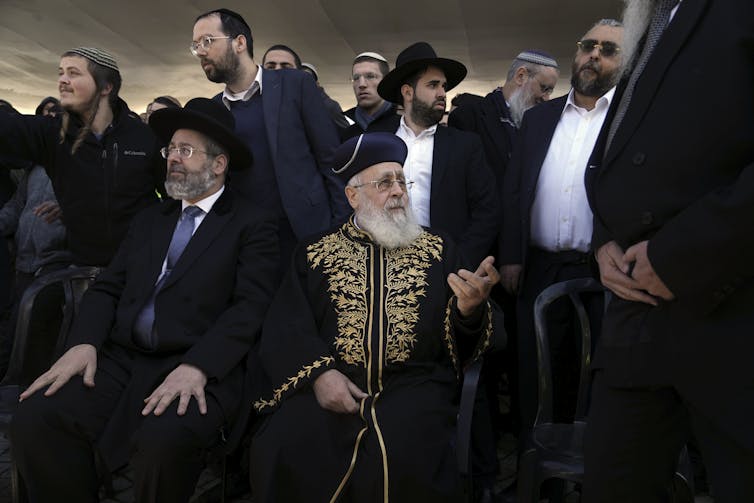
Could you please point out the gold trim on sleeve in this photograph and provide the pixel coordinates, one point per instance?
(292, 383)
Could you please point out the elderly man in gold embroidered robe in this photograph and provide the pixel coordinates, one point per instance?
(363, 347)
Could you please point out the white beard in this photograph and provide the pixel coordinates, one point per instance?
(636, 18)
(389, 228)
(519, 102)
(192, 186)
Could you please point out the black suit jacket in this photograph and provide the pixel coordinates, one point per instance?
(494, 126)
(681, 176)
(520, 184)
(208, 312)
(463, 199)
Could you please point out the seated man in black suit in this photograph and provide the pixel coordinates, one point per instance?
(170, 319)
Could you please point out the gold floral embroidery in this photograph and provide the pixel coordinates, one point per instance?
(344, 263)
(406, 282)
(293, 382)
(449, 340)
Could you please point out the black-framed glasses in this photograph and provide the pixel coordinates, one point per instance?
(607, 48)
(385, 184)
(204, 44)
(184, 151)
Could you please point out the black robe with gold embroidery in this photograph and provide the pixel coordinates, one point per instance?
(387, 320)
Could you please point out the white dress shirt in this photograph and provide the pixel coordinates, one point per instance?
(560, 217)
(418, 168)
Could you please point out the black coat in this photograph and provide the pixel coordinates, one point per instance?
(100, 187)
(208, 313)
(680, 173)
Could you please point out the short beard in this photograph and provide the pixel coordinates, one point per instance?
(636, 18)
(225, 71)
(425, 115)
(519, 102)
(193, 185)
(389, 228)
(596, 87)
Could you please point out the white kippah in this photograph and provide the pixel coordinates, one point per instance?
(372, 55)
(538, 58)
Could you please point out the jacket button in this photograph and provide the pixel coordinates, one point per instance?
(647, 218)
(638, 159)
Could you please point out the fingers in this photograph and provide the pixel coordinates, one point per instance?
(356, 391)
(39, 383)
(89, 372)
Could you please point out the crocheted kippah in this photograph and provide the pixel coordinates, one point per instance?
(538, 58)
(102, 58)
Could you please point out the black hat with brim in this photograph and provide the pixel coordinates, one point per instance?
(413, 59)
(209, 117)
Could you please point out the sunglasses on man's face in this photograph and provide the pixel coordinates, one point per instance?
(607, 49)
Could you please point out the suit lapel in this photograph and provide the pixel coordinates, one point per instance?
(495, 129)
(440, 154)
(212, 225)
(271, 96)
(542, 139)
(682, 25)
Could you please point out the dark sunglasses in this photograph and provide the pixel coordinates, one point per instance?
(607, 49)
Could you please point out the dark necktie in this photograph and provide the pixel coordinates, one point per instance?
(143, 332)
(656, 26)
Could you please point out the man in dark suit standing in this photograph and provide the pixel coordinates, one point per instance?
(454, 188)
(547, 225)
(671, 184)
(496, 118)
(281, 116)
(155, 369)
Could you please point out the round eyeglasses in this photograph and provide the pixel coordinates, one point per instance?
(184, 151)
(204, 44)
(386, 184)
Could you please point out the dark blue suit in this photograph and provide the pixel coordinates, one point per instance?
(301, 139)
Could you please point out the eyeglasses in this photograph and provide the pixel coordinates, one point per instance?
(184, 151)
(607, 49)
(204, 43)
(544, 88)
(386, 184)
(369, 77)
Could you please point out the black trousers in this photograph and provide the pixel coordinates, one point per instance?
(542, 270)
(53, 440)
(633, 440)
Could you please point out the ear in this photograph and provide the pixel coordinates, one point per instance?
(107, 90)
(220, 164)
(352, 194)
(240, 43)
(407, 92)
(521, 76)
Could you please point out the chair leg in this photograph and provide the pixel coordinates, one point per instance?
(528, 477)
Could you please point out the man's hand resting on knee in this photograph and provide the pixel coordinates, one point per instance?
(183, 383)
(79, 360)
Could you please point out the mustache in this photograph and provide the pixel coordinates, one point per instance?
(394, 203)
(591, 65)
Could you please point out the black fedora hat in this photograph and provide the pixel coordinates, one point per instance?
(412, 59)
(208, 117)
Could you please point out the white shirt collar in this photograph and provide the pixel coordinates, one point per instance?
(207, 203)
(603, 101)
(256, 86)
(430, 131)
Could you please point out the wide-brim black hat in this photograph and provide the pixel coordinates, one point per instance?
(209, 117)
(412, 59)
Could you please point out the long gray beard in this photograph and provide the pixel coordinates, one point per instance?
(389, 229)
(519, 103)
(636, 18)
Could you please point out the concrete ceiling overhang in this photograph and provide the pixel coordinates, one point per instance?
(150, 39)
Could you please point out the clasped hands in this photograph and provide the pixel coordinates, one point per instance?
(183, 382)
(641, 284)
